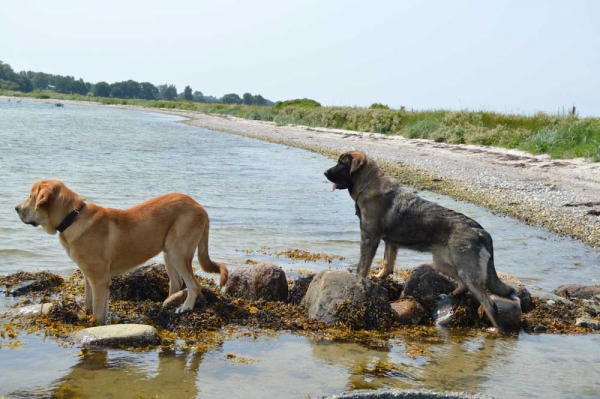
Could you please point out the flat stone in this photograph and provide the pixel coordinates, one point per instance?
(117, 335)
(578, 291)
(387, 393)
(547, 297)
(32, 310)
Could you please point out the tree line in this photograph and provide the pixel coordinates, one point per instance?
(28, 81)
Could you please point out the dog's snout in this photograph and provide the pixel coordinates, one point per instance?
(17, 208)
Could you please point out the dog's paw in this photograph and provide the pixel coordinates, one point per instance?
(182, 309)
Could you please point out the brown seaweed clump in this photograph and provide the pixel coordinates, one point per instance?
(22, 283)
(556, 318)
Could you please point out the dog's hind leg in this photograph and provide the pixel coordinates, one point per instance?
(174, 277)
(389, 260)
(183, 265)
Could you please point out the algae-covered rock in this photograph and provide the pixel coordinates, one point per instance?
(149, 282)
(426, 284)
(23, 283)
(522, 291)
(262, 281)
(337, 297)
(297, 289)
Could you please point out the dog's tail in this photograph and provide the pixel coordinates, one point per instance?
(493, 283)
(208, 265)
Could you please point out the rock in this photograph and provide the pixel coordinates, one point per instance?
(387, 393)
(23, 283)
(445, 311)
(298, 289)
(262, 281)
(578, 291)
(509, 313)
(408, 311)
(149, 282)
(540, 329)
(426, 284)
(548, 297)
(118, 335)
(522, 291)
(32, 310)
(338, 297)
(588, 322)
(394, 288)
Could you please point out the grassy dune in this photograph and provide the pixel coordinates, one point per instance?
(560, 136)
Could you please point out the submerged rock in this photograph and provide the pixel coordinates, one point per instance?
(426, 284)
(118, 335)
(22, 283)
(262, 281)
(337, 297)
(578, 291)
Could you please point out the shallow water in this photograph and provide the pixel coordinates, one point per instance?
(259, 195)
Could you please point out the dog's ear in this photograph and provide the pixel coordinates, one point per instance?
(358, 160)
(44, 196)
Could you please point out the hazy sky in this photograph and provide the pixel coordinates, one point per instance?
(510, 56)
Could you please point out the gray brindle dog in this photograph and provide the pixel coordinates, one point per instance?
(461, 248)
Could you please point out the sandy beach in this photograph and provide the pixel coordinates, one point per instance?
(562, 196)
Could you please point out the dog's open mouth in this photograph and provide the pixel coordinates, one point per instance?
(34, 224)
(335, 186)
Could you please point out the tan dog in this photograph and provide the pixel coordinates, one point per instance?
(105, 242)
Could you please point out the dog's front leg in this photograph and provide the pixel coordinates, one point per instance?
(100, 291)
(368, 248)
(389, 260)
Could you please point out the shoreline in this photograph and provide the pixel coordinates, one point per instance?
(560, 195)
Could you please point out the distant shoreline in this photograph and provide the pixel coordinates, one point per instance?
(562, 196)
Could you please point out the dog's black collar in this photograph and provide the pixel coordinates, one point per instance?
(69, 219)
(367, 184)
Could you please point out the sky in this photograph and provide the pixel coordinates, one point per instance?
(515, 56)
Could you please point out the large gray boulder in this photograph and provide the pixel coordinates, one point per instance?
(262, 281)
(118, 335)
(338, 297)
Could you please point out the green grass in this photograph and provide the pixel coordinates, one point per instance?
(560, 136)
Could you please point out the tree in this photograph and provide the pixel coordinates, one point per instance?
(248, 99)
(231, 98)
(260, 100)
(102, 89)
(148, 91)
(187, 93)
(198, 97)
(169, 92)
(39, 80)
